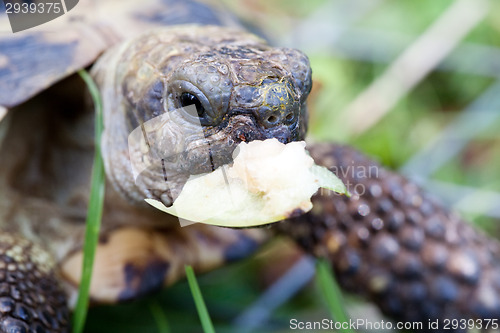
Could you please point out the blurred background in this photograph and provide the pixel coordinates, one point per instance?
(414, 84)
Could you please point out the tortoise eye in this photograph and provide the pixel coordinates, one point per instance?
(190, 99)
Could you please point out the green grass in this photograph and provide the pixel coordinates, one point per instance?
(160, 318)
(206, 322)
(94, 213)
(333, 295)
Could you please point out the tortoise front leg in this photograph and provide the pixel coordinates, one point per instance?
(31, 297)
(397, 246)
(131, 262)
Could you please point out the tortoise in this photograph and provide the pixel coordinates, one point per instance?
(393, 243)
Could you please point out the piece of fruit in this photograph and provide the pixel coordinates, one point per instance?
(268, 181)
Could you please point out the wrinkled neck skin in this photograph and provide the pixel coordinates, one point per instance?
(152, 143)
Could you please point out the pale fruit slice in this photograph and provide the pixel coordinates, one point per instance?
(268, 181)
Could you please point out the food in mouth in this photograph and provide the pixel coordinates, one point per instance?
(268, 181)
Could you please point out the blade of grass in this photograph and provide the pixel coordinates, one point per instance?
(333, 295)
(206, 322)
(159, 316)
(94, 212)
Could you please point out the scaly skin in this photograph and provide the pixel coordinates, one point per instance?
(396, 245)
(31, 298)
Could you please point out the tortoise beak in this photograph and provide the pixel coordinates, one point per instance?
(282, 133)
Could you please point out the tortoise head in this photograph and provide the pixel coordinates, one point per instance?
(267, 86)
(191, 95)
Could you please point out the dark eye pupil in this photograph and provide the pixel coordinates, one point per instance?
(190, 99)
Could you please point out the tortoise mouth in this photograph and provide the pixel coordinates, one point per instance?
(172, 158)
(216, 147)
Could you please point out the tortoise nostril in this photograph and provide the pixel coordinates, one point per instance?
(289, 117)
(272, 119)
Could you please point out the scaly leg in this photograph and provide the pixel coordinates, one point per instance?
(131, 262)
(31, 297)
(396, 245)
